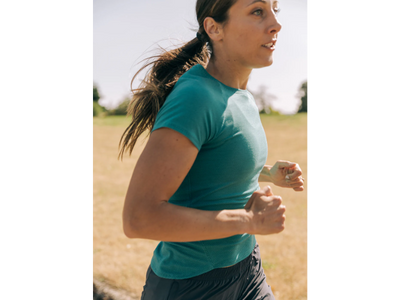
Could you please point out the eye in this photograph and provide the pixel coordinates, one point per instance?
(258, 12)
(277, 10)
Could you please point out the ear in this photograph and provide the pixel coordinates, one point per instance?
(214, 30)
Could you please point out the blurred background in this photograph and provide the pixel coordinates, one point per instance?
(124, 34)
(124, 31)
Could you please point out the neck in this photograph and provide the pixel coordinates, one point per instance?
(228, 73)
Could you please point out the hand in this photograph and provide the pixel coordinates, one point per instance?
(267, 213)
(287, 174)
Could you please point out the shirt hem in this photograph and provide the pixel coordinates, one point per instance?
(245, 254)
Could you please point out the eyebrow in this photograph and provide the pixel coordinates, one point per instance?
(263, 1)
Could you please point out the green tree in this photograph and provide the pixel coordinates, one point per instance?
(122, 108)
(303, 97)
(95, 109)
(96, 95)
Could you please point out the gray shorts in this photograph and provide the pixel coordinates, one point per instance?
(242, 281)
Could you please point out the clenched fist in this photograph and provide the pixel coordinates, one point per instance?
(266, 212)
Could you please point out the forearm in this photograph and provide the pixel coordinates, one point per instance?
(265, 175)
(169, 222)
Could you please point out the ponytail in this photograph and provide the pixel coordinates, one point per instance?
(165, 71)
(147, 100)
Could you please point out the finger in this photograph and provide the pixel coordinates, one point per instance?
(256, 194)
(267, 190)
(296, 174)
(296, 184)
(249, 202)
(275, 201)
(296, 180)
(279, 227)
(289, 171)
(299, 189)
(281, 209)
(280, 217)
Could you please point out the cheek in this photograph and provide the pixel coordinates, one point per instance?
(249, 35)
(243, 39)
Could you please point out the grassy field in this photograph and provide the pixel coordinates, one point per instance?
(123, 262)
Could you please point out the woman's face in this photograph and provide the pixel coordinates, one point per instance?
(250, 34)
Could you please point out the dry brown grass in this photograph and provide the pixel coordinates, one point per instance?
(123, 262)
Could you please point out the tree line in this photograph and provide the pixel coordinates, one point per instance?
(262, 97)
(303, 97)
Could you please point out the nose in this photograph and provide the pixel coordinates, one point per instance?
(274, 26)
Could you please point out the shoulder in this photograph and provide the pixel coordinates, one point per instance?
(194, 86)
(192, 92)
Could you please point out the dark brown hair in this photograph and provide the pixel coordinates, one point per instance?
(165, 70)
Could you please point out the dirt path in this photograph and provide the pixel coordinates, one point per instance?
(105, 291)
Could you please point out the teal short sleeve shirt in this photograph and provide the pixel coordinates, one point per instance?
(223, 123)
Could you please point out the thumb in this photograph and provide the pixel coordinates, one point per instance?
(267, 190)
(282, 164)
(249, 202)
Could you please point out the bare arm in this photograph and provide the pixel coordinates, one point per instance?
(265, 175)
(161, 168)
(284, 174)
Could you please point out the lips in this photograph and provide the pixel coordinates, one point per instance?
(270, 45)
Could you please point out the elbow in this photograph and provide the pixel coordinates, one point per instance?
(139, 222)
(133, 227)
(129, 233)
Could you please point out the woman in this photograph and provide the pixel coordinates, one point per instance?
(195, 186)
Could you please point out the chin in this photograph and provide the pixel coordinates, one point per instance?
(263, 65)
(269, 63)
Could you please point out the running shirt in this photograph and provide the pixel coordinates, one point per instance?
(224, 125)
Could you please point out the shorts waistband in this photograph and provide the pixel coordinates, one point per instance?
(228, 272)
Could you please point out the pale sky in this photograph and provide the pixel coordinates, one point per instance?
(125, 30)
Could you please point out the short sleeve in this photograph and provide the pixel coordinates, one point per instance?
(188, 110)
